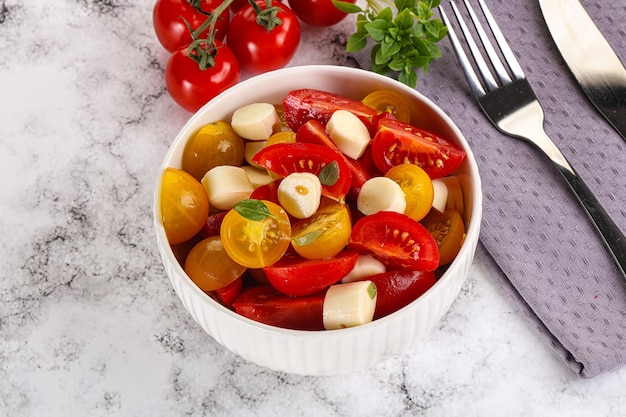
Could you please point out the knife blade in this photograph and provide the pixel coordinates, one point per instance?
(595, 65)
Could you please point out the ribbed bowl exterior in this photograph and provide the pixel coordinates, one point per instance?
(326, 352)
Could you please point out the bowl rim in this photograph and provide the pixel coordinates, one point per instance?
(167, 255)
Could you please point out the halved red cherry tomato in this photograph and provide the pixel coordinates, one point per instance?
(286, 158)
(266, 305)
(227, 295)
(314, 131)
(212, 225)
(395, 239)
(267, 191)
(296, 276)
(397, 289)
(398, 143)
(303, 105)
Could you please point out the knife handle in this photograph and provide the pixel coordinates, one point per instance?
(612, 236)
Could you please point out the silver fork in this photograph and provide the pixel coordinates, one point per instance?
(511, 105)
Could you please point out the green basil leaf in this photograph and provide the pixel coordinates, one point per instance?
(329, 175)
(372, 290)
(356, 42)
(308, 238)
(346, 7)
(253, 209)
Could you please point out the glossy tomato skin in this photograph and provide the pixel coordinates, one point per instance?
(397, 289)
(170, 28)
(396, 143)
(212, 225)
(318, 12)
(396, 240)
(296, 276)
(258, 50)
(306, 104)
(191, 87)
(314, 131)
(228, 294)
(266, 305)
(286, 158)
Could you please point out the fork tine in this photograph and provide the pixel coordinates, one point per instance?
(482, 66)
(508, 54)
(472, 78)
(489, 49)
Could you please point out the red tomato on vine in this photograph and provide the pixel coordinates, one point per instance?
(318, 12)
(169, 16)
(190, 86)
(268, 46)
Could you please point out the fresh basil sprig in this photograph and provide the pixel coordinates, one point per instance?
(405, 37)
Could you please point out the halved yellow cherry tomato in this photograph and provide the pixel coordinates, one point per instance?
(448, 230)
(209, 266)
(324, 234)
(281, 137)
(390, 102)
(184, 205)
(256, 243)
(417, 187)
(214, 144)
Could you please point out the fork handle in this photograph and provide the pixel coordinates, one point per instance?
(613, 237)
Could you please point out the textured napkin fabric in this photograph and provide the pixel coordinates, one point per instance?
(535, 237)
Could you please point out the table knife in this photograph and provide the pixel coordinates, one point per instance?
(595, 65)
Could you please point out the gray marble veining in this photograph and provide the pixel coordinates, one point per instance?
(89, 324)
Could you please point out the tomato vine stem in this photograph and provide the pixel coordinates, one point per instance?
(203, 50)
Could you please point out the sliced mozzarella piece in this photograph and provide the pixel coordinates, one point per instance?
(257, 177)
(366, 266)
(251, 148)
(299, 193)
(255, 121)
(226, 185)
(349, 305)
(348, 132)
(440, 199)
(381, 194)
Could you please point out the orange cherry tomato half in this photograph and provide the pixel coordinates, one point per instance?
(448, 230)
(386, 101)
(214, 144)
(209, 266)
(256, 243)
(324, 234)
(417, 187)
(184, 205)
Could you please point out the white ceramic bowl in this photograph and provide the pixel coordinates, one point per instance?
(338, 351)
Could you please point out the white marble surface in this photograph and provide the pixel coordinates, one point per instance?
(89, 324)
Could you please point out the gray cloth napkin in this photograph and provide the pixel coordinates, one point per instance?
(535, 238)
